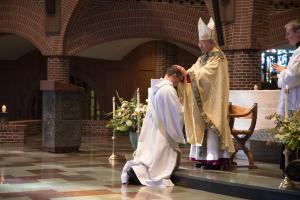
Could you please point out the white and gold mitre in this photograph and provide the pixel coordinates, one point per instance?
(206, 32)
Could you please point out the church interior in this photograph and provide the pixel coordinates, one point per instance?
(63, 61)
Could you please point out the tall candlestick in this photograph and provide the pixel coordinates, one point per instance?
(3, 108)
(138, 107)
(114, 106)
(138, 97)
(113, 156)
(286, 103)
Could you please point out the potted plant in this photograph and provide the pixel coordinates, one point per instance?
(128, 117)
(287, 131)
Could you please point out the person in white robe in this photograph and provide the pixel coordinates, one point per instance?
(206, 93)
(157, 152)
(289, 77)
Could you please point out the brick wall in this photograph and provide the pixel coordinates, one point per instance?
(32, 127)
(16, 131)
(258, 24)
(165, 56)
(58, 69)
(12, 133)
(94, 127)
(26, 19)
(132, 20)
(244, 69)
(276, 27)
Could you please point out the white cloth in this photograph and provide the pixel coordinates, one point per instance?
(212, 152)
(290, 77)
(155, 159)
(206, 32)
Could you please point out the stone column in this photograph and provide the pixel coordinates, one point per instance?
(61, 121)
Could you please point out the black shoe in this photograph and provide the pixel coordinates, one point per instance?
(199, 165)
(212, 167)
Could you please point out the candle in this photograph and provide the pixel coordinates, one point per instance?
(138, 97)
(286, 103)
(114, 106)
(3, 108)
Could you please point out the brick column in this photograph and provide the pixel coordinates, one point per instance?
(165, 56)
(61, 122)
(244, 68)
(58, 69)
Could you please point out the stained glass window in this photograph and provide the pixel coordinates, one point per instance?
(279, 56)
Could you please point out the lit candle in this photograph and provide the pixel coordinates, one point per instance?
(114, 106)
(286, 103)
(138, 97)
(3, 108)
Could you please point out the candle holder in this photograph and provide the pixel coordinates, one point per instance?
(3, 118)
(113, 156)
(286, 183)
(138, 119)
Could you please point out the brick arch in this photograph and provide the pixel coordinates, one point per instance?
(13, 20)
(101, 23)
(276, 27)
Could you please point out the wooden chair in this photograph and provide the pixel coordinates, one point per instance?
(241, 136)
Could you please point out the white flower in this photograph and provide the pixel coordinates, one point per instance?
(137, 110)
(280, 137)
(124, 104)
(144, 108)
(128, 122)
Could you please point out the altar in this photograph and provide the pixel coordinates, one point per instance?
(267, 103)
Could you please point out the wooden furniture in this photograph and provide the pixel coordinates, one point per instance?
(242, 135)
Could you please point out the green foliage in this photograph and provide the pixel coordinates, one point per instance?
(287, 131)
(127, 115)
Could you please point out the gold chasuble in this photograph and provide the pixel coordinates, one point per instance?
(205, 99)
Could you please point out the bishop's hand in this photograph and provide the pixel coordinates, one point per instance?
(182, 69)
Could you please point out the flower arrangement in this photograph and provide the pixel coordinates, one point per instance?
(287, 131)
(127, 115)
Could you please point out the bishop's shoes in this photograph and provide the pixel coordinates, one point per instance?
(221, 164)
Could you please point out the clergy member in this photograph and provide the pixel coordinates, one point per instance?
(157, 152)
(205, 93)
(290, 76)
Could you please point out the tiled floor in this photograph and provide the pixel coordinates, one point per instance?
(27, 172)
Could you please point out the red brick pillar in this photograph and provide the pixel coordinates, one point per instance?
(244, 68)
(61, 122)
(165, 56)
(58, 68)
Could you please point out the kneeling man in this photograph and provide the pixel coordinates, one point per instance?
(157, 152)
